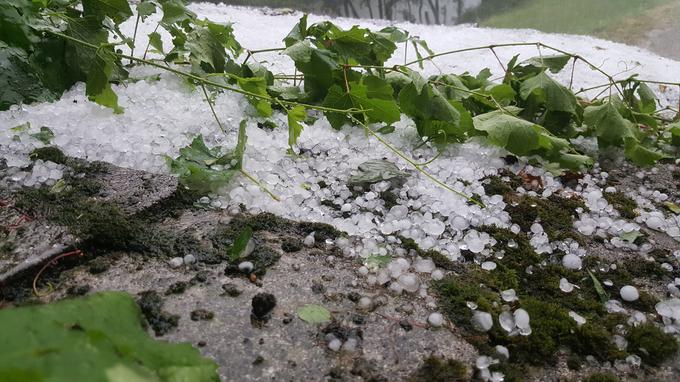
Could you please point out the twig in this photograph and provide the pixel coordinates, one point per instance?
(54, 261)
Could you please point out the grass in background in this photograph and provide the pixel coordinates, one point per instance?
(592, 17)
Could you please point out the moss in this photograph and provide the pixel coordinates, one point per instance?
(330, 204)
(439, 259)
(436, 369)
(645, 303)
(556, 214)
(518, 256)
(177, 288)
(272, 223)
(263, 257)
(574, 362)
(51, 153)
(151, 305)
(551, 327)
(510, 372)
(496, 185)
(641, 268)
(593, 339)
(651, 344)
(625, 205)
(602, 377)
(455, 292)
(390, 198)
(100, 225)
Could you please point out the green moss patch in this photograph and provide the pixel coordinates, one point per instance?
(651, 344)
(504, 183)
(625, 205)
(436, 369)
(535, 278)
(556, 214)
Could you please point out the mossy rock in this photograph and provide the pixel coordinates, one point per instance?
(436, 369)
(651, 344)
(49, 153)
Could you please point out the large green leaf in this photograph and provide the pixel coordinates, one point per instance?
(371, 94)
(116, 10)
(298, 33)
(554, 63)
(608, 124)
(549, 92)
(317, 66)
(98, 338)
(514, 134)
(20, 80)
(434, 115)
(641, 155)
(258, 86)
(16, 17)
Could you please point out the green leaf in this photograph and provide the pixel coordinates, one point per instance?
(372, 94)
(394, 34)
(675, 133)
(609, 125)
(156, 42)
(374, 171)
(257, 85)
(20, 80)
(314, 314)
(16, 20)
(145, 9)
(98, 88)
(295, 116)
(318, 67)
(298, 33)
(553, 63)
(21, 128)
(434, 115)
(674, 208)
(604, 296)
(647, 98)
(98, 338)
(45, 135)
(204, 170)
(377, 261)
(240, 244)
(631, 236)
(175, 12)
(420, 44)
(387, 129)
(549, 92)
(514, 134)
(117, 10)
(641, 155)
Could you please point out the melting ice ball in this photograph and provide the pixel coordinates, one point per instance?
(629, 293)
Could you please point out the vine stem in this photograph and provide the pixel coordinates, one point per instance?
(207, 82)
(134, 38)
(212, 109)
(259, 184)
(413, 163)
